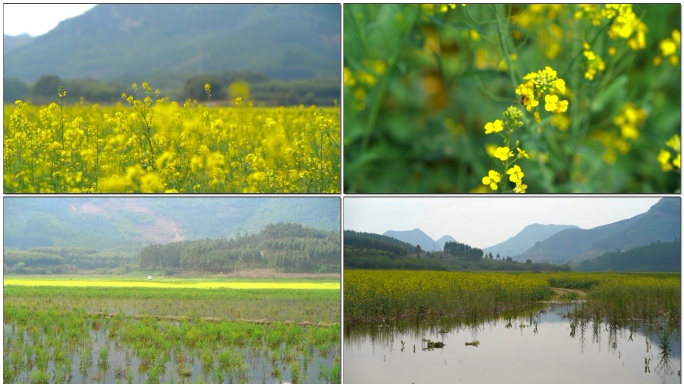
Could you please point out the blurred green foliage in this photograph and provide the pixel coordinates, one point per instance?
(421, 82)
(264, 90)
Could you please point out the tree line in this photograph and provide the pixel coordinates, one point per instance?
(283, 247)
(225, 86)
(373, 251)
(56, 260)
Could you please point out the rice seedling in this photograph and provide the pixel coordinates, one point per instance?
(46, 340)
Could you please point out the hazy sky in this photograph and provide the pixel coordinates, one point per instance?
(482, 222)
(38, 19)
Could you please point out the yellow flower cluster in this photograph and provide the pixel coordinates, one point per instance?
(543, 83)
(548, 34)
(624, 24)
(594, 62)
(155, 146)
(629, 120)
(360, 81)
(504, 153)
(670, 49)
(664, 155)
(431, 9)
(613, 143)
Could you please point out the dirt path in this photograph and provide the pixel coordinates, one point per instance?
(567, 294)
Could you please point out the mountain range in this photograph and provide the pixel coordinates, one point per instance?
(662, 222)
(282, 41)
(12, 42)
(418, 237)
(130, 223)
(526, 239)
(569, 244)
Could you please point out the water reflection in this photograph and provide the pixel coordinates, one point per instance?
(553, 344)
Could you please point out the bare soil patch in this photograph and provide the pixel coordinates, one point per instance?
(568, 294)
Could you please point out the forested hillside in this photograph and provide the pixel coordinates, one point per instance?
(655, 257)
(284, 247)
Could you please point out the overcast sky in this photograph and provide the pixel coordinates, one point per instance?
(482, 222)
(38, 19)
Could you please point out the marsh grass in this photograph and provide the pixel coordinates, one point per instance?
(391, 296)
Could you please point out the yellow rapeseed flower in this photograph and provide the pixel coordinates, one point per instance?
(515, 174)
(520, 187)
(492, 179)
(503, 153)
(664, 160)
(551, 102)
(674, 143)
(496, 126)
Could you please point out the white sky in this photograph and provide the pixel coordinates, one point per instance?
(485, 221)
(38, 19)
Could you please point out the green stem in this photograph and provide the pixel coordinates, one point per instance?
(380, 91)
(507, 143)
(502, 41)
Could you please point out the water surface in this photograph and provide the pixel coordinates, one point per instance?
(545, 346)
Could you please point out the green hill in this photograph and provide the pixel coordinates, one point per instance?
(656, 257)
(282, 41)
(373, 240)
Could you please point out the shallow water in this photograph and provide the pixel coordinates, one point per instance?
(541, 347)
(121, 359)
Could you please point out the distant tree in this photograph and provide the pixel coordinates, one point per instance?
(194, 88)
(528, 261)
(418, 250)
(46, 86)
(498, 257)
(463, 251)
